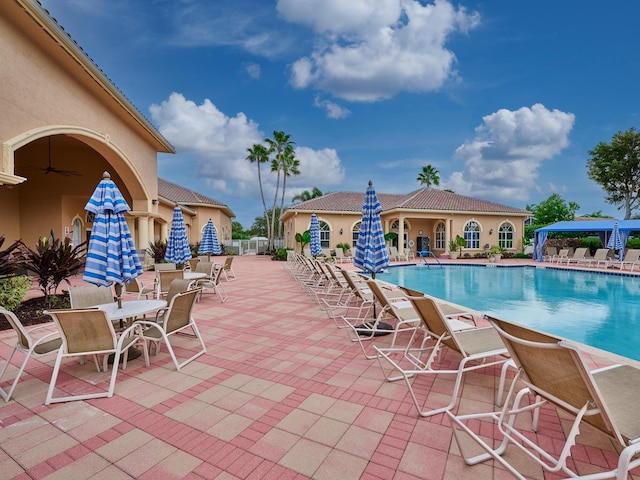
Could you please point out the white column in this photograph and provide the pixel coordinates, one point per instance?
(143, 233)
(447, 234)
(401, 236)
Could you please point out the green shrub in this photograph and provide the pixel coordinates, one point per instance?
(633, 242)
(592, 244)
(280, 255)
(13, 291)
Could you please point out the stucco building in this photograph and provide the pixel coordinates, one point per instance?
(63, 124)
(428, 212)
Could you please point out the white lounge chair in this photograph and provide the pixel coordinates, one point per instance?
(554, 373)
(477, 347)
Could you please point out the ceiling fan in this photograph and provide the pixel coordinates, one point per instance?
(59, 171)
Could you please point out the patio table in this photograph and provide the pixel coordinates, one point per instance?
(130, 309)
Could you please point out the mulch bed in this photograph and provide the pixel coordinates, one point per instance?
(30, 311)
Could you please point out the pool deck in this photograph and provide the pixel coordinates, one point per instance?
(281, 394)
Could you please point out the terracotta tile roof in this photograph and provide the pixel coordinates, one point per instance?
(179, 194)
(431, 199)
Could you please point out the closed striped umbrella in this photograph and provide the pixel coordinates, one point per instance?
(111, 256)
(178, 248)
(615, 240)
(371, 250)
(209, 244)
(314, 233)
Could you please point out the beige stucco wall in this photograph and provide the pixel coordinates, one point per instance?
(415, 221)
(45, 92)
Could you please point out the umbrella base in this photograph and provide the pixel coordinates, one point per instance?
(366, 329)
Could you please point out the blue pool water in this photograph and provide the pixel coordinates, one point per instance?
(597, 309)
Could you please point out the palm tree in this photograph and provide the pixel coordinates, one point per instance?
(260, 154)
(290, 166)
(429, 176)
(306, 195)
(280, 144)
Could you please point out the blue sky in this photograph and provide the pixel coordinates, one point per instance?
(504, 98)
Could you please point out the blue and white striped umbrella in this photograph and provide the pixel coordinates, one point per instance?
(314, 233)
(371, 250)
(111, 255)
(209, 243)
(615, 240)
(178, 248)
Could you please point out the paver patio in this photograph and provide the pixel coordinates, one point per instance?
(281, 394)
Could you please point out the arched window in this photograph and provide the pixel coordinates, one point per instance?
(325, 234)
(440, 243)
(395, 225)
(472, 234)
(354, 234)
(77, 232)
(505, 236)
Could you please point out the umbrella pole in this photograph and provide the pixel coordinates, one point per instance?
(118, 289)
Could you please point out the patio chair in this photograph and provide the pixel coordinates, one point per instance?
(178, 317)
(165, 266)
(341, 257)
(394, 255)
(601, 256)
(631, 259)
(550, 255)
(29, 345)
(478, 348)
(580, 255)
(164, 279)
(193, 262)
(555, 373)
(563, 255)
(138, 289)
(90, 332)
(229, 274)
(212, 280)
(84, 296)
(393, 318)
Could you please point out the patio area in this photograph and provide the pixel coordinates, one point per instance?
(280, 394)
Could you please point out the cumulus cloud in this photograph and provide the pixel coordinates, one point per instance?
(332, 109)
(503, 159)
(219, 143)
(371, 50)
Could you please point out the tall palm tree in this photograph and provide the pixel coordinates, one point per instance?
(260, 154)
(429, 176)
(307, 195)
(279, 144)
(290, 166)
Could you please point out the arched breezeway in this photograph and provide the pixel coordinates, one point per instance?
(52, 172)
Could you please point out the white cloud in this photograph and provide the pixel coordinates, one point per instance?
(253, 70)
(371, 50)
(502, 161)
(219, 143)
(333, 109)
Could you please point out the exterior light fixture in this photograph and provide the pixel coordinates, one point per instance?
(491, 231)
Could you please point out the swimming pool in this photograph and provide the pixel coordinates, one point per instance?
(598, 309)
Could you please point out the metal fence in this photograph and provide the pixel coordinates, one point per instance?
(253, 246)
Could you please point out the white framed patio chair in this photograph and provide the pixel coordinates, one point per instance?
(29, 345)
(229, 274)
(395, 317)
(139, 290)
(212, 280)
(164, 279)
(477, 348)
(553, 372)
(90, 332)
(84, 296)
(177, 318)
